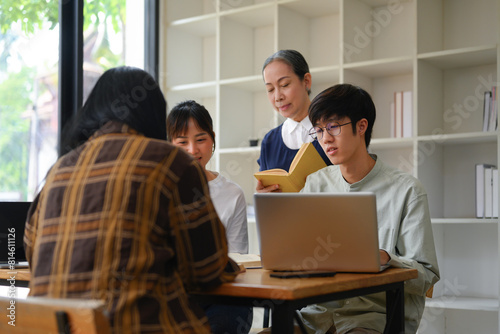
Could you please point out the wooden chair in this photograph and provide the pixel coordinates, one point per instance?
(36, 315)
(430, 292)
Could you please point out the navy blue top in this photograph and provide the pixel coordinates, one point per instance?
(275, 154)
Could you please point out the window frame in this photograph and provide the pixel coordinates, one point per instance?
(71, 56)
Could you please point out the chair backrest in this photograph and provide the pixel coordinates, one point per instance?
(429, 292)
(47, 315)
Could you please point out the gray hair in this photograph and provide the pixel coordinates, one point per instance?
(292, 58)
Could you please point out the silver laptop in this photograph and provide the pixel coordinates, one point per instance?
(319, 231)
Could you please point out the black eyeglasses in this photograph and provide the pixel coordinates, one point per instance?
(332, 128)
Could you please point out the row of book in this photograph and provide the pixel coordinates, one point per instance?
(486, 191)
(401, 114)
(490, 110)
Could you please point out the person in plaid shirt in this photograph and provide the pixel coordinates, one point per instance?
(125, 216)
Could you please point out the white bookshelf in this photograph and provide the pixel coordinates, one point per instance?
(447, 52)
(463, 303)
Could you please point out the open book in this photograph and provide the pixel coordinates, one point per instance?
(306, 161)
(246, 260)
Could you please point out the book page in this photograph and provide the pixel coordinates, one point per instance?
(284, 180)
(275, 171)
(247, 260)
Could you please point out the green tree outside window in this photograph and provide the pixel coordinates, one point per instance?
(22, 87)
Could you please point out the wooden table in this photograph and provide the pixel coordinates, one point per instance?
(16, 277)
(284, 296)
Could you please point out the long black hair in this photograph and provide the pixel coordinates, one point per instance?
(179, 116)
(125, 94)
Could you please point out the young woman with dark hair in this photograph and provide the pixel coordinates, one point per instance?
(189, 126)
(135, 99)
(126, 217)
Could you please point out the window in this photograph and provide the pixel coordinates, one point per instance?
(29, 45)
(29, 77)
(109, 40)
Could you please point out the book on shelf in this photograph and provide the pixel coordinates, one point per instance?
(492, 125)
(495, 192)
(402, 114)
(398, 115)
(490, 110)
(484, 190)
(407, 114)
(486, 110)
(393, 121)
(306, 161)
(488, 192)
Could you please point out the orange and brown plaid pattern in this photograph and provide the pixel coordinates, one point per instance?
(128, 219)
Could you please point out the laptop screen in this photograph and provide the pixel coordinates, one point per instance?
(12, 221)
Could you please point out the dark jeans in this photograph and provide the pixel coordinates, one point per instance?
(228, 319)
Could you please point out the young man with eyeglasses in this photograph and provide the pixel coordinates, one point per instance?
(343, 118)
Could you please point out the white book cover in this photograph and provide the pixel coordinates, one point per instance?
(480, 189)
(495, 193)
(393, 122)
(407, 114)
(488, 192)
(398, 114)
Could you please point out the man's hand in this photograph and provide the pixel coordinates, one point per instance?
(384, 257)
